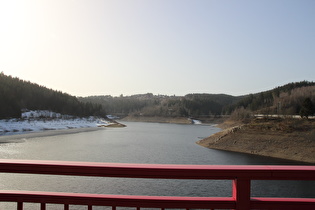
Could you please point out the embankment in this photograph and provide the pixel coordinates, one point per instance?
(290, 139)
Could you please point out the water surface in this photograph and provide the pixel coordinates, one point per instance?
(153, 143)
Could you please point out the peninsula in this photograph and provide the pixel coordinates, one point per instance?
(292, 139)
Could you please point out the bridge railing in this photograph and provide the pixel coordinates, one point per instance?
(240, 175)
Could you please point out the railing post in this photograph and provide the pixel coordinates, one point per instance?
(20, 206)
(241, 193)
(66, 207)
(43, 206)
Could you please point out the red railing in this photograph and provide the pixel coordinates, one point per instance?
(240, 175)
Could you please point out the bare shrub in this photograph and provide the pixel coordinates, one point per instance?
(241, 114)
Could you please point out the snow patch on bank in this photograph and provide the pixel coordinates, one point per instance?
(41, 120)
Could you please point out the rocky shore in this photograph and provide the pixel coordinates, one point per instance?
(292, 139)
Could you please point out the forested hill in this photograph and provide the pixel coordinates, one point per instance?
(291, 99)
(165, 106)
(287, 99)
(16, 94)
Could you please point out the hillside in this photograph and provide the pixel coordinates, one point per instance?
(287, 99)
(17, 94)
(194, 105)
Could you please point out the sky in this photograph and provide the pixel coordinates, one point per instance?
(169, 47)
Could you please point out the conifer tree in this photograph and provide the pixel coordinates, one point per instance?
(307, 108)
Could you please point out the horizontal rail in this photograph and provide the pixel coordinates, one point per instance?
(158, 171)
(240, 174)
(151, 201)
(283, 203)
(117, 200)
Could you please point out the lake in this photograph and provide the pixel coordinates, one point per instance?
(153, 143)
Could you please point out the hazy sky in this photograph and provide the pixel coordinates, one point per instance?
(113, 47)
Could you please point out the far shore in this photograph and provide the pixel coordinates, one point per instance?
(175, 120)
(157, 119)
(17, 138)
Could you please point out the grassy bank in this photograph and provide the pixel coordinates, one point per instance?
(292, 139)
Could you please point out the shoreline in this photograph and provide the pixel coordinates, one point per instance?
(176, 120)
(18, 138)
(271, 139)
(264, 138)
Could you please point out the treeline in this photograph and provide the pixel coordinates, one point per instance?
(16, 94)
(290, 99)
(162, 105)
(207, 104)
(287, 99)
(122, 105)
(284, 100)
